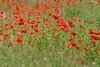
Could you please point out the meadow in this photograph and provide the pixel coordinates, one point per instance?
(49, 33)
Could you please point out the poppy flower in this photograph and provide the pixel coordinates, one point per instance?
(72, 25)
(66, 30)
(69, 39)
(86, 48)
(19, 39)
(8, 45)
(1, 30)
(21, 22)
(43, 33)
(39, 21)
(69, 45)
(14, 30)
(80, 0)
(36, 30)
(92, 21)
(55, 16)
(87, 11)
(78, 19)
(85, 21)
(81, 26)
(0, 39)
(29, 41)
(49, 14)
(91, 31)
(49, 26)
(11, 43)
(96, 32)
(38, 42)
(94, 44)
(58, 24)
(7, 35)
(97, 51)
(44, 25)
(79, 41)
(81, 62)
(68, 3)
(78, 47)
(74, 18)
(50, 50)
(73, 34)
(73, 44)
(2, 12)
(65, 25)
(62, 28)
(94, 38)
(70, 22)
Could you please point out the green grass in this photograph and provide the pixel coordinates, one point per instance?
(50, 51)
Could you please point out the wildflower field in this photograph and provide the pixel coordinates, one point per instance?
(49, 33)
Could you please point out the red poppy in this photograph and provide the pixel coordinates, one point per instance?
(49, 14)
(65, 25)
(73, 34)
(0, 39)
(80, 0)
(32, 33)
(69, 39)
(8, 45)
(96, 32)
(81, 62)
(66, 30)
(58, 24)
(55, 16)
(1, 34)
(62, 28)
(87, 11)
(19, 39)
(73, 44)
(11, 43)
(39, 21)
(32, 22)
(21, 22)
(44, 25)
(7, 35)
(78, 19)
(70, 22)
(94, 38)
(49, 26)
(68, 3)
(78, 47)
(2, 12)
(81, 26)
(74, 18)
(91, 31)
(50, 50)
(79, 41)
(92, 21)
(85, 21)
(29, 41)
(1, 30)
(43, 33)
(86, 48)
(97, 51)
(14, 30)
(72, 25)
(38, 42)
(32, 26)
(94, 44)
(36, 30)
(69, 45)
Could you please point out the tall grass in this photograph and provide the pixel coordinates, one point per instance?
(50, 49)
